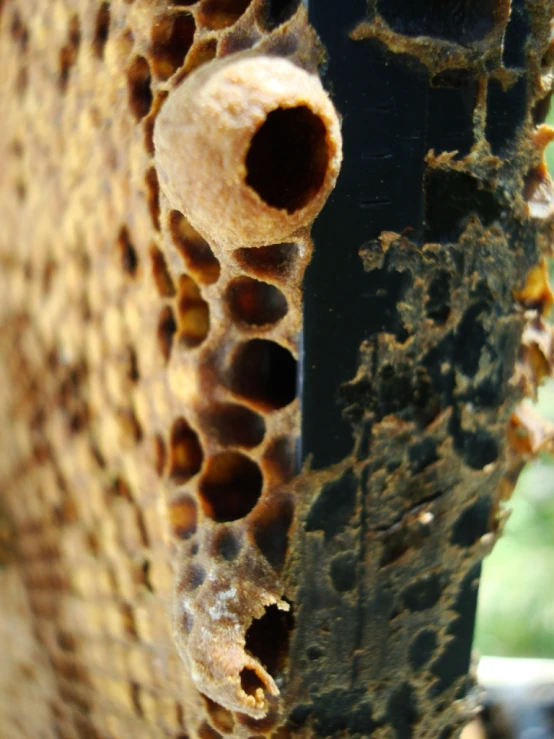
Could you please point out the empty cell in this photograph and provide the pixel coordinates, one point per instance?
(195, 250)
(185, 452)
(230, 486)
(288, 158)
(255, 303)
(264, 372)
(139, 82)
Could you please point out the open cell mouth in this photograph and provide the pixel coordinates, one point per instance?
(288, 158)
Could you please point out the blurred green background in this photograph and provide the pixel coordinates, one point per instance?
(515, 616)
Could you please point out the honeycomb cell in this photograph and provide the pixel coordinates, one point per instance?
(160, 272)
(167, 328)
(268, 639)
(127, 252)
(101, 30)
(131, 365)
(193, 314)
(234, 425)
(196, 252)
(274, 262)
(205, 731)
(264, 373)
(139, 81)
(250, 682)
(279, 144)
(216, 14)
(270, 529)
(276, 12)
(185, 452)
(193, 577)
(153, 196)
(182, 516)
(255, 303)
(220, 717)
(288, 158)
(230, 486)
(69, 52)
(172, 37)
(160, 455)
(227, 544)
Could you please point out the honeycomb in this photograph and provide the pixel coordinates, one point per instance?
(165, 570)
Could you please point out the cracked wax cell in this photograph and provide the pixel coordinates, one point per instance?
(249, 149)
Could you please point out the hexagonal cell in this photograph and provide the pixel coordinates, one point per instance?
(462, 21)
(234, 425)
(153, 196)
(226, 544)
(193, 577)
(139, 82)
(193, 313)
(276, 262)
(160, 272)
(185, 452)
(167, 327)
(172, 37)
(270, 529)
(68, 53)
(276, 12)
(160, 455)
(288, 158)
(230, 486)
(264, 373)
(195, 250)
(101, 30)
(205, 731)
(220, 717)
(268, 639)
(216, 14)
(127, 252)
(255, 303)
(182, 516)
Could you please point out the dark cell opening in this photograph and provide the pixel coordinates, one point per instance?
(167, 326)
(185, 452)
(462, 21)
(193, 577)
(217, 14)
(172, 37)
(101, 30)
(230, 487)
(128, 253)
(268, 638)
(276, 261)
(153, 196)
(227, 545)
(138, 83)
(182, 515)
(220, 717)
(276, 12)
(264, 372)
(250, 682)
(271, 531)
(160, 272)
(196, 252)
(255, 303)
(235, 425)
(288, 158)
